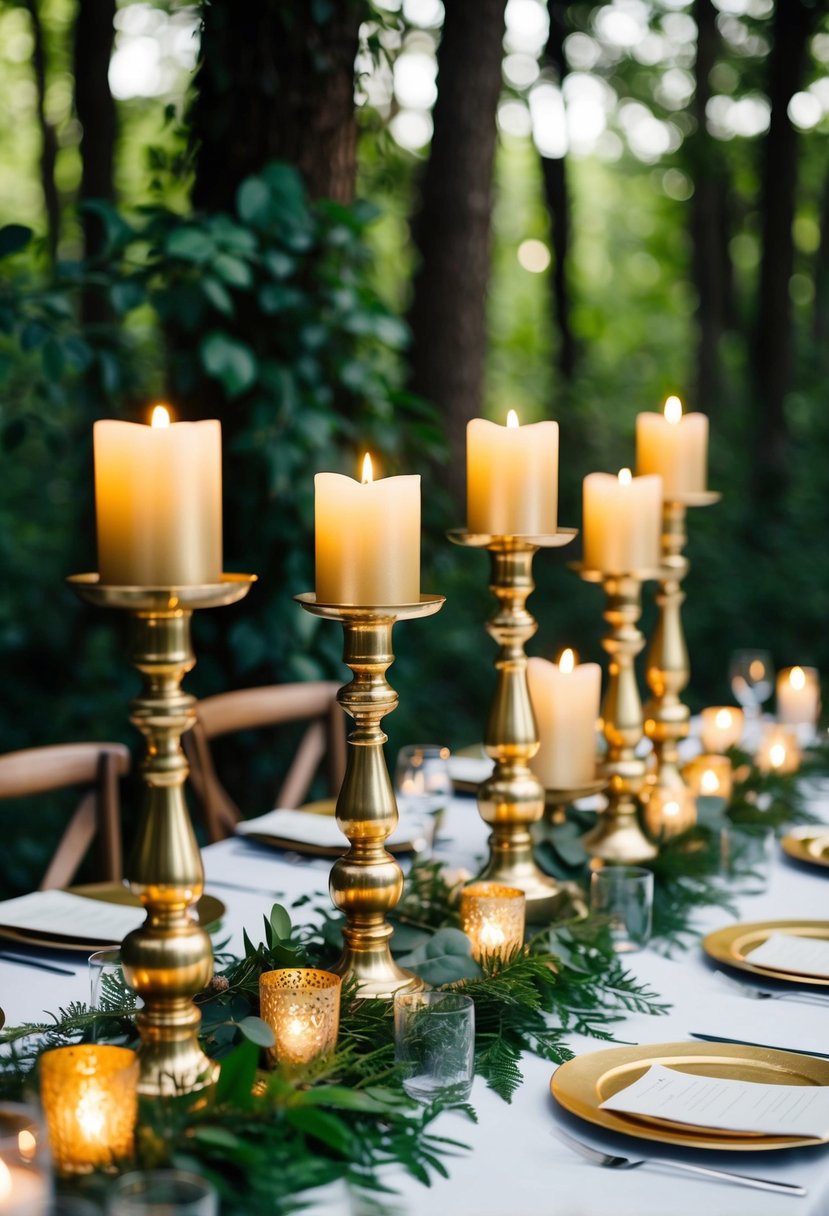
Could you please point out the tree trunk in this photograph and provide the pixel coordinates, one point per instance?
(554, 172)
(773, 337)
(95, 106)
(49, 143)
(276, 82)
(452, 226)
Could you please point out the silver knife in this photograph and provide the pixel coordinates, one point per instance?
(717, 1038)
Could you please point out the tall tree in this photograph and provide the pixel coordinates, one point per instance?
(453, 222)
(276, 82)
(48, 139)
(772, 356)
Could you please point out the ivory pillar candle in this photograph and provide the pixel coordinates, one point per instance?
(512, 477)
(798, 696)
(367, 539)
(158, 500)
(565, 698)
(622, 522)
(674, 446)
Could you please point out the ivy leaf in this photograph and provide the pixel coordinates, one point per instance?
(257, 1031)
(13, 238)
(253, 202)
(233, 270)
(218, 295)
(280, 923)
(229, 361)
(189, 244)
(126, 295)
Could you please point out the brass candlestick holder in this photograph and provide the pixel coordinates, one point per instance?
(512, 799)
(169, 958)
(667, 672)
(366, 882)
(556, 802)
(617, 836)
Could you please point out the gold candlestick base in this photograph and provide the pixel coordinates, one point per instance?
(556, 802)
(667, 673)
(512, 799)
(617, 836)
(366, 882)
(169, 958)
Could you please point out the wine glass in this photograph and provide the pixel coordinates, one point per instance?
(422, 782)
(752, 679)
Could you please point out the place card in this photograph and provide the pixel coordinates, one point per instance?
(305, 829)
(794, 954)
(59, 914)
(737, 1106)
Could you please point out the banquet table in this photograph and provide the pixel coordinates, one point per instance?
(515, 1165)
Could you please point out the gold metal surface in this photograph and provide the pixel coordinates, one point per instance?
(582, 1084)
(617, 836)
(367, 882)
(169, 958)
(808, 844)
(556, 802)
(733, 945)
(512, 799)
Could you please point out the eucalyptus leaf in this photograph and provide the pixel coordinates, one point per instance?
(280, 921)
(257, 1031)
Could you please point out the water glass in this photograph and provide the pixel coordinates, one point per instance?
(624, 894)
(434, 1040)
(422, 781)
(752, 679)
(107, 987)
(746, 852)
(162, 1193)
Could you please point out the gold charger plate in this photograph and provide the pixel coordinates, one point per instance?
(733, 946)
(582, 1084)
(308, 849)
(808, 844)
(209, 910)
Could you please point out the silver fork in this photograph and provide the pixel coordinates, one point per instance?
(631, 1163)
(762, 994)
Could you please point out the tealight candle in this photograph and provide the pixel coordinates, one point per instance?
(674, 445)
(367, 539)
(778, 752)
(158, 500)
(798, 696)
(722, 727)
(302, 1007)
(709, 776)
(511, 477)
(90, 1100)
(622, 522)
(565, 698)
(25, 1189)
(669, 812)
(492, 917)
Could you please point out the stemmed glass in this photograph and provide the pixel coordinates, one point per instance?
(752, 679)
(422, 781)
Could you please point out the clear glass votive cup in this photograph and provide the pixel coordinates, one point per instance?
(162, 1193)
(107, 987)
(25, 1160)
(746, 853)
(434, 1040)
(624, 894)
(422, 781)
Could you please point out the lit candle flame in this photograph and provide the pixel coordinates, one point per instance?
(5, 1181)
(757, 670)
(625, 477)
(368, 470)
(161, 416)
(673, 410)
(777, 755)
(670, 810)
(723, 718)
(26, 1145)
(491, 936)
(567, 661)
(797, 678)
(512, 420)
(92, 1116)
(709, 782)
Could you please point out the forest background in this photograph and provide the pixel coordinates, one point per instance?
(337, 224)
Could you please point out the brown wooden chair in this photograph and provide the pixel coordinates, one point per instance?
(271, 705)
(98, 766)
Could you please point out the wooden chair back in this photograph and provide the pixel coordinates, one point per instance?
(97, 766)
(313, 701)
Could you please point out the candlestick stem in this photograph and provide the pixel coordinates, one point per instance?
(366, 882)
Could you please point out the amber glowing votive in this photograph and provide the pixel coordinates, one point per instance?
(90, 1101)
(670, 812)
(25, 1184)
(722, 727)
(709, 776)
(492, 917)
(778, 752)
(302, 1007)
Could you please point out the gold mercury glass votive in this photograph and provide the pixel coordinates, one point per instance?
(492, 917)
(779, 751)
(90, 1100)
(709, 776)
(302, 1007)
(670, 812)
(722, 727)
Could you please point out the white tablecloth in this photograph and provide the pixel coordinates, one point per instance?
(515, 1165)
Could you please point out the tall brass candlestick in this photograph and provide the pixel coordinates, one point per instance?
(667, 674)
(169, 958)
(513, 797)
(617, 836)
(366, 882)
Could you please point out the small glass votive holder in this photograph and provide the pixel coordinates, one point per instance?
(492, 917)
(108, 989)
(90, 1099)
(722, 727)
(25, 1178)
(302, 1007)
(746, 853)
(434, 1041)
(669, 812)
(162, 1193)
(779, 751)
(422, 782)
(709, 776)
(624, 894)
